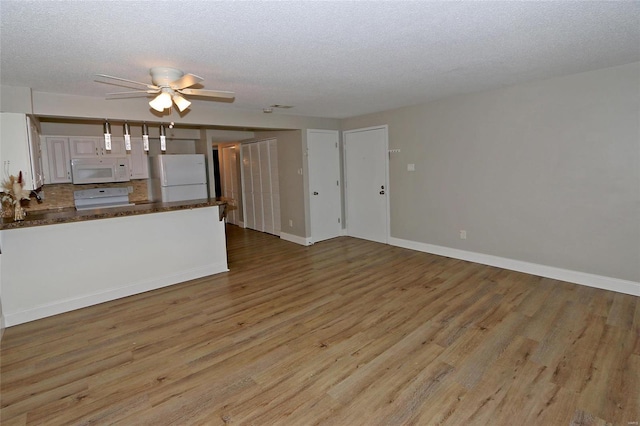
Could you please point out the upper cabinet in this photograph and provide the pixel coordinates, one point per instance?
(20, 149)
(138, 160)
(58, 159)
(91, 146)
(61, 149)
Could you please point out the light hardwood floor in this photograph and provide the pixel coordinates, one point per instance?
(345, 332)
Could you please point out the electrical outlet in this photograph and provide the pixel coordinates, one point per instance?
(290, 223)
(411, 167)
(463, 234)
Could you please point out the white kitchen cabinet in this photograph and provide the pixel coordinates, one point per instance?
(91, 146)
(20, 149)
(58, 159)
(61, 149)
(138, 160)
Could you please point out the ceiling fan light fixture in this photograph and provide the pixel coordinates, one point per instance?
(161, 102)
(181, 102)
(170, 85)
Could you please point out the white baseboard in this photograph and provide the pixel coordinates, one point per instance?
(576, 277)
(303, 241)
(84, 301)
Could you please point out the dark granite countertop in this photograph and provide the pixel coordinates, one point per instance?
(69, 214)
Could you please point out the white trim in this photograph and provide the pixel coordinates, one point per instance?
(303, 241)
(62, 306)
(576, 277)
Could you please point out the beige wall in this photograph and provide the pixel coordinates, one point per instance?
(546, 172)
(15, 99)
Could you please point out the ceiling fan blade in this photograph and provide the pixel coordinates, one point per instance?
(208, 93)
(186, 80)
(131, 94)
(149, 86)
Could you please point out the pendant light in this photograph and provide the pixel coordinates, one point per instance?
(145, 137)
(162, 101)
(163, 138)
(107, 136)
(127, 136)
(181, 102)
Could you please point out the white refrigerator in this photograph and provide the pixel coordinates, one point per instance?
(177, 177)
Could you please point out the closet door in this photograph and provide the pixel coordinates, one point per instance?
(247, 187)
(256, 182)
(265, 173)
(260, 189)
(275, 186)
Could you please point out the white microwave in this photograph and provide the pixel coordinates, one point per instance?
(100, 170)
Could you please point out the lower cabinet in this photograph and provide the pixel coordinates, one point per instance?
(106, 259)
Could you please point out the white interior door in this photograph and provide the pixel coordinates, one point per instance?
(366, 165)
(324, 184)
(256, 180)
(275, 184)
(267, 200)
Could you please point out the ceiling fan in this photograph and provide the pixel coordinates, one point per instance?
(169, 84)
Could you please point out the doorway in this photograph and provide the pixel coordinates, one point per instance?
(229, 170)
(216, 172)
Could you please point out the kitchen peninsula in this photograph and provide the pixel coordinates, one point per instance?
(60, 260)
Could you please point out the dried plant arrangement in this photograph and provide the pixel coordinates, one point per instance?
(12, 193)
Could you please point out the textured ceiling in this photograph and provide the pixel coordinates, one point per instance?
(327, 59)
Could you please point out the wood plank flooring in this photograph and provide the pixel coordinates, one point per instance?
(345, 332)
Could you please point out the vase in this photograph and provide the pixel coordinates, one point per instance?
(18, 213)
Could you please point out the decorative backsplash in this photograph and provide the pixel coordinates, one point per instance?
(61, 195)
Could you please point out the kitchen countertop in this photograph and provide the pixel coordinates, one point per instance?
(69, 214)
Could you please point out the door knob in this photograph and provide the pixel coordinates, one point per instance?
(381, 192)
(315, 192)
